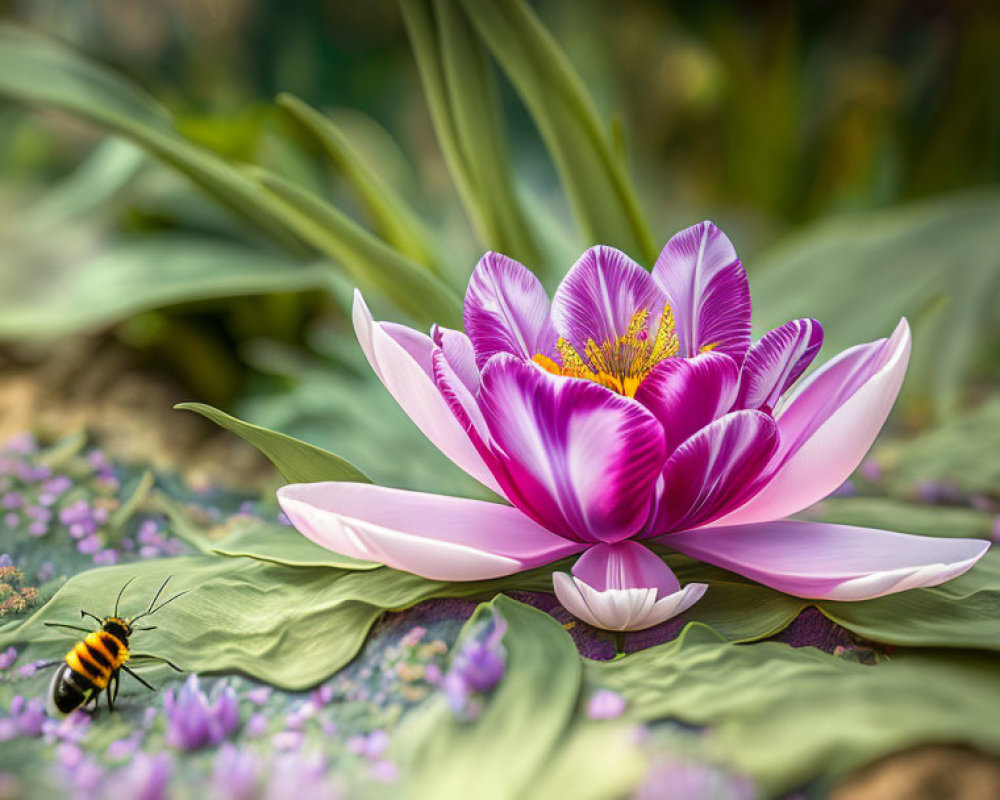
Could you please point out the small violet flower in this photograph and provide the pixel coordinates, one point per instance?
(193, 721)
(605, 704)
(476, 667)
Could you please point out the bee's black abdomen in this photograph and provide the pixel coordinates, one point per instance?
(69, 690)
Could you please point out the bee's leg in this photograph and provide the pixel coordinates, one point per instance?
(108, 697)
(47, 664)
(118, 683)
(70, 627)
(144, 683)
(150, 657)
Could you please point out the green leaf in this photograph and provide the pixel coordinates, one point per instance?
(289, 626)
(369, 260)
(964, 612)
(280, 544)
(45, 294)
(788, 715)
(464, 105)
(297, 461)
(523, 721)
(593, 176)
(935, 263)
(395, 220)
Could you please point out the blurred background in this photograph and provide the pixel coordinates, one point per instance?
(190, 189)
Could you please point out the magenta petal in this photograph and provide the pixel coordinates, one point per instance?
(686, 394)
(600, 295)
(458, 350)
(714, 471)
(507, 310)
(625, 565)
(827, 427)
(402, 359)
(833, 562)
(623, 587)
(442, 538)
(707, 287)
(574, 456)
(776, 361)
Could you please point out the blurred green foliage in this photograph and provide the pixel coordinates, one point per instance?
(276, 157)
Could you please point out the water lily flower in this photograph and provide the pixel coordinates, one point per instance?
(631, 408)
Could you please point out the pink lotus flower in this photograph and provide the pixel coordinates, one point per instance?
(632, 408)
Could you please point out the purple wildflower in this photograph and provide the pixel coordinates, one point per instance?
(89, 544)
(384, 772)
(12, 520)
(673, 779)
(605, 704)
(256, 726)
(144, 778)
(38, 528)
(477, 667)
(8, 656)
(259, 695)
(287, 741)
(106, 557)
(235, 773)
(6, 560)
(193, 721)
(12, 500)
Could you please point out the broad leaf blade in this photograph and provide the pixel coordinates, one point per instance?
(297, 461)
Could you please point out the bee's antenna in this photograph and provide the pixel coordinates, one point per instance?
(151, 609)
(117, 601)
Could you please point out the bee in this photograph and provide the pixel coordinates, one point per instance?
(96, 662)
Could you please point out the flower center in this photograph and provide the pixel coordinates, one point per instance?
(619, 364)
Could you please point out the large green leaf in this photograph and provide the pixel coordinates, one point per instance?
(297, 461)
(289, 626)
(464, 106)
(395, 220)
(787, 715)
(592, 173)
(936, 263)
(44, 293)
(523, 725)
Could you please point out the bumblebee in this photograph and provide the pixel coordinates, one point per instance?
(96, 662)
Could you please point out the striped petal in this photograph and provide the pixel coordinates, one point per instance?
(442, 538)
(686, 394)
(402, 359)
(507, 311)
(828, 426)
(708, 289)
(775, 362)
(457, 349)
(600, 296)
(714, 471)
(572, 455)
(832, 562)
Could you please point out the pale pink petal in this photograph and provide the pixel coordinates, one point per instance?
(623, 587)
(686, 394)
(714, 471)
(708, 290)
(833, 562)
(457, 348)
(776, 361)
(507, 311)
(437, 537)
(600, 295)
(828, 426)
(570, 454)
(402, 359)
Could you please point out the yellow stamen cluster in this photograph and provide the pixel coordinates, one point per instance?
(623, 363)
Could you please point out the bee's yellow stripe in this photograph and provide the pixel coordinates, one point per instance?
(83, 662)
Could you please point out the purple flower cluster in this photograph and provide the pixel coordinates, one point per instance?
(24, 718)
(477, 667)
(195, 721)
(676, 779)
